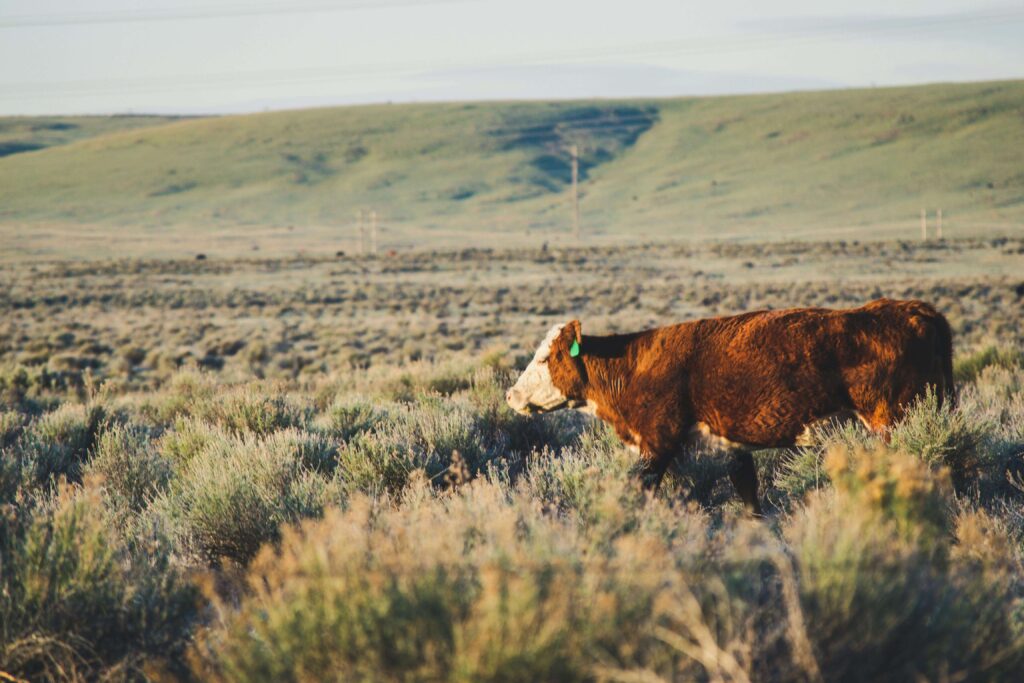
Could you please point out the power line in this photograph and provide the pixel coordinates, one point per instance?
(180, 14)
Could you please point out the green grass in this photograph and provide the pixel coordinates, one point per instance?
(21, 134)
(850, 163)
(967, 369)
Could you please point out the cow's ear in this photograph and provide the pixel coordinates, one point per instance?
(575, 338)
(577, 331)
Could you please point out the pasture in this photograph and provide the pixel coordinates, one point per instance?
(303, 468)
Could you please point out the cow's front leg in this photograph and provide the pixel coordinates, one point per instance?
(652, 468)
(743, 475)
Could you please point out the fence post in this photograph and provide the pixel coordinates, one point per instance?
(575, 152)
(362, 233)
(373, 231)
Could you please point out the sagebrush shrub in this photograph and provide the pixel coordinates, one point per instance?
(883, 600)
(133, 469)
(184, 393)
(349, 417)
(944, 435)
(58, 443)
(513, 601)
(186, 439)
(11, 423)
(77, 602)
(426, 436)
(234, 494)
(440, 536)
(248, 410)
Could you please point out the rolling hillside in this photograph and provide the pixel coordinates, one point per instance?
(839, 163)
(19, 134)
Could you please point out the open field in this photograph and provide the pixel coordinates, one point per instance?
(302, 468)
(840, 164)
(133, 322)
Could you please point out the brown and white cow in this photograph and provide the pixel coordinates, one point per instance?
(756, 380)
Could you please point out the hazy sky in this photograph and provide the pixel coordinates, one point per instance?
(75, 56)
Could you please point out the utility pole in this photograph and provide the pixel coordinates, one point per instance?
(575, 152)
(938, 224)
(362, 233)
(924, 225)
(373, 232)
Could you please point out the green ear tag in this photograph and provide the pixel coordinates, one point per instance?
(574, 350)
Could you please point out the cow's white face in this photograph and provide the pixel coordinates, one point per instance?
(534, 392)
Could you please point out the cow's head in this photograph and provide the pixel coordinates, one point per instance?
(555, 377)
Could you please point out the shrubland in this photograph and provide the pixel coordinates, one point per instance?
(304, 531)
(297, 513)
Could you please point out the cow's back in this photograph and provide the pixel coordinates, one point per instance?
(760, 378)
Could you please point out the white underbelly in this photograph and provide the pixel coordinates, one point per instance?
(806, 437)
(703, 438)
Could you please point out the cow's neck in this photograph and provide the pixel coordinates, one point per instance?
(610, 363)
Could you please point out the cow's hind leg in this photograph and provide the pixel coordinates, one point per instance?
(743, 475)
(880, 418)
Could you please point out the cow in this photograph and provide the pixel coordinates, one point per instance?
(743, 382)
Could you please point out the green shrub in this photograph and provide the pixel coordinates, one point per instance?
(501, 594)
(255, 408)
(248, 410)
(77, 602)
(448, 383)
(424, 436)
(944, 435)
(802, 470)
(58, 443)
(186, 392)
(997, 397)
(186, 439)
(131, 466)
(881, 597)
(233, 495)
(11, 423)
(15, 385)
(581, 479)
(350, 417)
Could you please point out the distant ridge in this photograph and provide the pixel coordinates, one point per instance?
(809, 164)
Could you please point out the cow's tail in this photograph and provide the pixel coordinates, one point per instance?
(945, 388)
(946, 351)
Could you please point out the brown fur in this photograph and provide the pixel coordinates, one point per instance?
(756, 379)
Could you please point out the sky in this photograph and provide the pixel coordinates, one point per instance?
(226, 56)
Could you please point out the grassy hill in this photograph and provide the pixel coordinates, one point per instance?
(839, 163)
(19, 134)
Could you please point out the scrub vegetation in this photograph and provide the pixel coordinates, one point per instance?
(303, 469)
